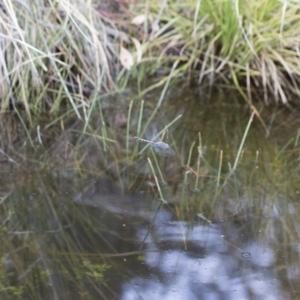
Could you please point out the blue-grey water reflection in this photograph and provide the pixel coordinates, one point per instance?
(205, 261)
(208, 269)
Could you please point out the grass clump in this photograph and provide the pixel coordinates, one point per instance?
(251, 45)
(65, 54)
(54, 53)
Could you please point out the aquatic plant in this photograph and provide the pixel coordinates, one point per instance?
(72, 205)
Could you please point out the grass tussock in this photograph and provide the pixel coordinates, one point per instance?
(54, 53)
(64, 54)
(250, 44)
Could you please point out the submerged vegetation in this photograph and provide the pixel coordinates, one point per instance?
(83, 203)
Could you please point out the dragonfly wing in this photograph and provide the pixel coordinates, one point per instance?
(151, 133)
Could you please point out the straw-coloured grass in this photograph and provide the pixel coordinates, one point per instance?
(63, 54)
(53, 54)
(253, 42)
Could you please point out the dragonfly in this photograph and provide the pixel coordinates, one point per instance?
(159, 147)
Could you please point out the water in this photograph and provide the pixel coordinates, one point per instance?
(78, 221)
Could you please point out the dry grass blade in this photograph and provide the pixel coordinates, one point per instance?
(54, 46)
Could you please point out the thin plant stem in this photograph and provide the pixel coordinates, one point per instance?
(156, 180)
(198, 170)
(103, 130)
(188, 162)
(140, 118)
(297, 138)
(158, 167)
(198, 163)
(38, 129)
(220, 168)
(242, 143)
(163, 93)
(151, 225)
(139, 125)
(128, 126)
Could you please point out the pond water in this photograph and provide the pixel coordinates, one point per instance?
(93, 212)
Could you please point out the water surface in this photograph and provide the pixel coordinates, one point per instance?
(90, 214)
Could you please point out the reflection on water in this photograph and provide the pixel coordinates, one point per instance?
(84, 220)
(209, 259)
